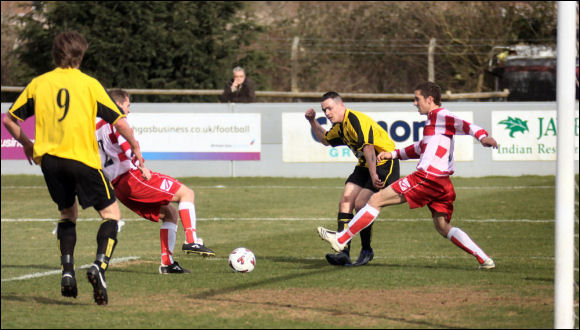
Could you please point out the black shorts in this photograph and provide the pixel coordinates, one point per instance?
(388, 173)
(67, 178)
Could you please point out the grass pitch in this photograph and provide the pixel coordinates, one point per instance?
(417, 280)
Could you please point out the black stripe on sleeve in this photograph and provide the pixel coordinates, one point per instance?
(25, 111)
(106, 113)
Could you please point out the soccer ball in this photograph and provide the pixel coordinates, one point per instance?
(242, 260)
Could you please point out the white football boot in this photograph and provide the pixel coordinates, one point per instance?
(331, 237)
(487, 264)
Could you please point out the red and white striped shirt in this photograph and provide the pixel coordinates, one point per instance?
(435, 150)
(115, 151)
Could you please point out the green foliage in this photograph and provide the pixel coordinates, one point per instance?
(146, 44)
(370, 47)
(534, 23)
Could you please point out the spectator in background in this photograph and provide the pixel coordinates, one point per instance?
(240, 89)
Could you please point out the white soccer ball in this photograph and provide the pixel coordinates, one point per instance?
(242, 260)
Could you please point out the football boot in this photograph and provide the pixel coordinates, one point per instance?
(338, 259)
(68, 285)
(174, 268)
(97, 280)
(197, 248)
(364, 257)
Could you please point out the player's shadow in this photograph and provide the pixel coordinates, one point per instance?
(153, 270)
(311, 263)
(243, 286)
(467, 267)
(421, 266)
(318, 263)
(39, 300)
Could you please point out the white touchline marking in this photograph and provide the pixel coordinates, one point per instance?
(322, 187)
(54, 272)
(395, 257)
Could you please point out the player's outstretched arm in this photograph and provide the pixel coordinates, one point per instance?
(488, 141)
(318, 130)
(384, 155)
(125, 130)
(310, 115)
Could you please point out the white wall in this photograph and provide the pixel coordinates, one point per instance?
(271, 163)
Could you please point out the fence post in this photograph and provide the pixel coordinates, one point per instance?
(294, 60)
(431, 60)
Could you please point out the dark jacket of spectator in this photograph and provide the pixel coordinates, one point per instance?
(244, 93)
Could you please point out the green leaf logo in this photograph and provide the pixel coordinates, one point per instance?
(515, 125)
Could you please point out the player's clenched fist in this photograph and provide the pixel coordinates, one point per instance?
(310, 114)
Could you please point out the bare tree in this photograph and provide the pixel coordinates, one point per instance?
(382, 46)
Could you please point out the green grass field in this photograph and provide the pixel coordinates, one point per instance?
(417, 280)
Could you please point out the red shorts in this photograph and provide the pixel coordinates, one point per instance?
(421, 188)
(145, 197)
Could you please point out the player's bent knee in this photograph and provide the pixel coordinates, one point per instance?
(71, 214)
(360, 204)
(375, 200)
(111, 212)
(441, 225)
(184, 194)
(345, 206)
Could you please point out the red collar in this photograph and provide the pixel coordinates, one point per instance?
(433, 112)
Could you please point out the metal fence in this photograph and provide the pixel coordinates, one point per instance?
(306, 95)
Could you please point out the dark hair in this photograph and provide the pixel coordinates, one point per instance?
(69, 49)
(430, 89)
(118, 95)
(331, 95)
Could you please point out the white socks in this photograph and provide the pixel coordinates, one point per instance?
(361, 220)
(187, 215)
(463, 241)
(167, 234)
(368, 214)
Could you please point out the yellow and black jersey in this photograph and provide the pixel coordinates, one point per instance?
(66, 103)
(358, 130)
